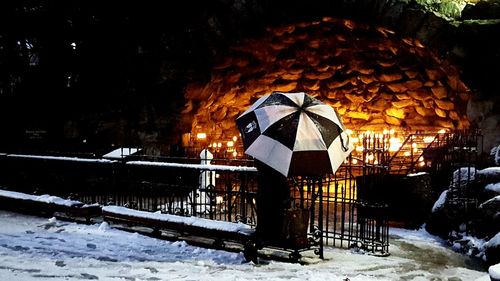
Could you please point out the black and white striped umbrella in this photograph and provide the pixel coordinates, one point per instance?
(294, 134)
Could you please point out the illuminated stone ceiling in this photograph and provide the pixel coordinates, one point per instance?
(373, 78)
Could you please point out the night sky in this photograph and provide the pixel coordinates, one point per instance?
(111, 71)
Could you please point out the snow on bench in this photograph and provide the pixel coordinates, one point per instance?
(40, 198)
(191, 225)
(46, 204)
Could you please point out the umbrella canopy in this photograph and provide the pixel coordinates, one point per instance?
(294, 134)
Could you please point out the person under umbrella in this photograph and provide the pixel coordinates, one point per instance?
(295, 134)
(289, 134)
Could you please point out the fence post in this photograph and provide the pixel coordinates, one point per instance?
(202, 195)
(320, 216)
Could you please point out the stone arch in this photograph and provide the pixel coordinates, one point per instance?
(374, 78)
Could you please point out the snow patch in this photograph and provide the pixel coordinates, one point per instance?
(463, 176)
(121, 152)
(440, 202)
(495, 152)
(103, 227)
(493, 242)
(496, 198)
(417, 174)
(491, 171)
(416, 235)
(494, 271)
(495, 187)
(180, 244)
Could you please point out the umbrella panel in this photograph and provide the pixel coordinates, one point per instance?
(310, 163)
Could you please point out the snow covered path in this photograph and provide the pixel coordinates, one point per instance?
(34, 248)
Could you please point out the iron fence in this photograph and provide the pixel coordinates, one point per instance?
(218, 192)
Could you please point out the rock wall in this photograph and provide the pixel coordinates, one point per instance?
(374, 79)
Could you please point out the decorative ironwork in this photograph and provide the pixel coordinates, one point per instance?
(341, 214)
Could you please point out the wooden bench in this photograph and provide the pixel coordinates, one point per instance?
(46, 205)
(219, 231)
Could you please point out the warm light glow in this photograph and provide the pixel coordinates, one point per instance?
(394, 147)
(394, 144)
(367, 141)
(428, 139)
(442, 131)
(421, 164)
(394, 140)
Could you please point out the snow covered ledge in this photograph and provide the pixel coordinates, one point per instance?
(177, 222)
(40, 198)
(47, 205)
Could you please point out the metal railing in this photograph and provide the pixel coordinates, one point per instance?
(343, 210)
(217, 192)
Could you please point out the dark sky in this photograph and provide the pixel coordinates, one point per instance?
(92, 62)
(81, 65)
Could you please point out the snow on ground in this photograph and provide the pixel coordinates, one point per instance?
(33, 248)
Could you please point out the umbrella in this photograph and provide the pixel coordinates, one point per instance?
(294, 134)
